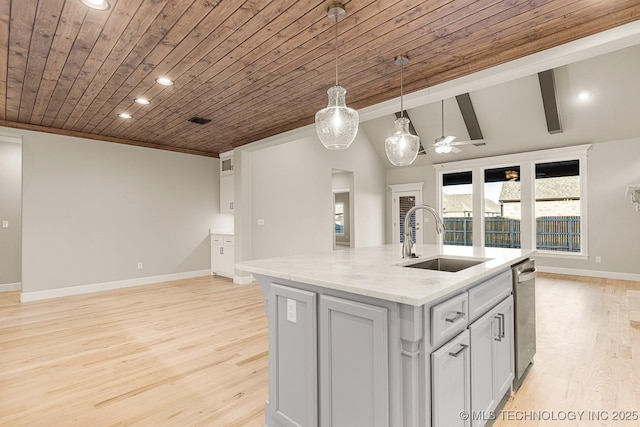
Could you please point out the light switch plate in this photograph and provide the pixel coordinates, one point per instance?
(291, 310)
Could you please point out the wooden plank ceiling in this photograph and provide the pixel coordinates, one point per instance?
(256, 68)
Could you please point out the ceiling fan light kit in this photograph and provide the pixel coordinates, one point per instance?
(402, 147)
(337, 124)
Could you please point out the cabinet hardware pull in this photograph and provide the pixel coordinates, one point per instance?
(499, 336)
(221, 250)
(457, 353)
(459, 315)
(501, 328)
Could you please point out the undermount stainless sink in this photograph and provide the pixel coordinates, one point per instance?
(451, 265)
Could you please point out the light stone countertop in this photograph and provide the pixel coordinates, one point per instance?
(377, 271)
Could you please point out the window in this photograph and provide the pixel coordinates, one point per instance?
(457, 208)
(557, 206)
(531, 200)
(502, 207)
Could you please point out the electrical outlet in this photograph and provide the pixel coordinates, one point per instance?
(291, 310)
(598, 259)
(140, 265)
(5, 224)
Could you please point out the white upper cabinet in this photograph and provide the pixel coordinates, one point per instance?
(226, 182)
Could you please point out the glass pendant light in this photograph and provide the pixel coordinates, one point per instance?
(402, 147)
(337, 124)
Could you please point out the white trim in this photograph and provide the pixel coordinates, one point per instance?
(412, 186)
(527, 162)
(16, 139)
(554, 154)
(589, 273)
(107, 286)
(7, 287)
(558, 254)
(243, 280)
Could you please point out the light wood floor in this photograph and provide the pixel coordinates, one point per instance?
(588, 356)
(184, 353)
(194, 353)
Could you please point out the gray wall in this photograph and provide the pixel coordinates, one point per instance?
(291, 190)
(92, 210)
(10, 239)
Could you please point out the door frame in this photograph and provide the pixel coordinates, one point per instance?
(401, 190)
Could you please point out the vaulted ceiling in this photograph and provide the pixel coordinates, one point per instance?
(255, 68)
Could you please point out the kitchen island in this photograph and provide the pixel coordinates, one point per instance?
(357, 338)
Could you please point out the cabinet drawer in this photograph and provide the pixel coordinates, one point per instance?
(449, 318)
(228, 240)
(486, 295)
(217, 239)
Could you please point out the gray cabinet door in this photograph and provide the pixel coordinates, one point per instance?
(492, 367)
(293, 387)
(354, 383)
(503, 349)
(483, 333)
(450, 383)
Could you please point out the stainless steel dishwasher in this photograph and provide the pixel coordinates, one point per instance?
(524, 296)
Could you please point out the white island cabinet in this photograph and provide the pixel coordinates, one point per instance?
(358, 339)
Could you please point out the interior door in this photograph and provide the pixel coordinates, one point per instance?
(402, 202)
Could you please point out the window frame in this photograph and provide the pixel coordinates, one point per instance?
(527, 162)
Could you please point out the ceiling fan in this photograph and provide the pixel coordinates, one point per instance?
(447, 144)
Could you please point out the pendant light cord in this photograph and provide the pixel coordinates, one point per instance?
(401, 82)
(442, 114)
(335, 15)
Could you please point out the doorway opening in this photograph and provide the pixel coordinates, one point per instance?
(10, 213)
(343, 227)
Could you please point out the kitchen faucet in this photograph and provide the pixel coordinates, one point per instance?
(408, 242)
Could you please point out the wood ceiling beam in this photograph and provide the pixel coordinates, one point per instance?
(550, 101)
(469, 117)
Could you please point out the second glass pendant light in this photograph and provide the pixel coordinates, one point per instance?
(402, 147)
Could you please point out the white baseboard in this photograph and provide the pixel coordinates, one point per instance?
(107, 286)
(589, 273)
(10, 287)
(243, 280)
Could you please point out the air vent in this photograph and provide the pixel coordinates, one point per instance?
(199, 120)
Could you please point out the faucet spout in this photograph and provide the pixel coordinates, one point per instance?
(408, 241)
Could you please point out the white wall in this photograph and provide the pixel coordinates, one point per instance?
(291, 190)
(92, 210)
(10, 193)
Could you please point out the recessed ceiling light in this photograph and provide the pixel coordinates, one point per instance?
(164, 81)
(96, 4)
(143, 101)
(584, 95)
(124, 115)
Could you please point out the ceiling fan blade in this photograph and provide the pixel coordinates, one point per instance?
(462, 143)
(445, 140)
(455, 150)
